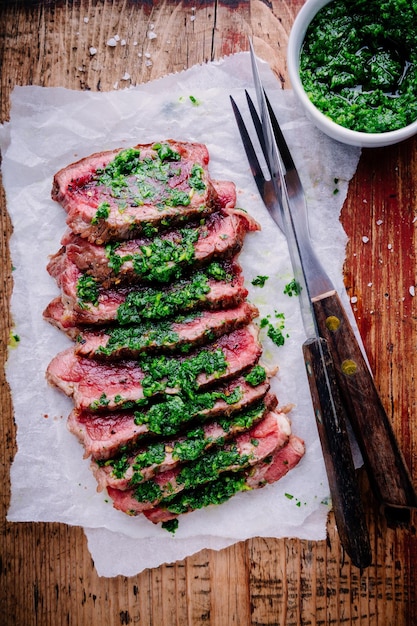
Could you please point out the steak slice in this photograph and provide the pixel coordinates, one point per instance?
(161, 258)
(132, 468)
(95, 385)
(244, 451)
(115, 194)
(84, 302)
(181, 333)
(103, 435)
(227, 485)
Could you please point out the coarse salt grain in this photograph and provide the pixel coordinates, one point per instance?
(354, 299)
(126, 76)
(365, 239)
(389, 246)
(148, 63)
(151, 34)
(117, 37)
(123, 42)
(86, 20)
(148, 55)
(93, 51)
(379, 222)
(412, 291)
(112, 42)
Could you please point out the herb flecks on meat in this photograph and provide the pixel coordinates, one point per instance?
(152, 303)
(137, 180)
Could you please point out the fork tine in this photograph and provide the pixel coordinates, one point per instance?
(249, 149)
(282, 145)
(257, 124)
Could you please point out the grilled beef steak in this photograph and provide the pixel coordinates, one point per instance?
(84, 301)
(161, 258)
(265, 472)
(104, 434)
(129, 469)
(150, 336)
(95, 385)
(171, 403)
(244, 451)
(114, 195)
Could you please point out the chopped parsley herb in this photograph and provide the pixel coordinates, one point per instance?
(151, 303)
(194, 100)
(138, 338)
(159, 260)
(14, 339)
(274, 331)
(208, 467)
(167, 372)
(148, 491)
(170, 525)
(293, 288)
(102, 213)
(276, 335)
(196, 178)
(167, 417)
(154, 454)
(216, 492)
(101, 403)
(259, 281)
(166, 153)
(256, 376)
(87, 291)
(133, 180)
(119, 466)
(217, 271)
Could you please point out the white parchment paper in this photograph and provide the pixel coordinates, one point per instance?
(50, 128)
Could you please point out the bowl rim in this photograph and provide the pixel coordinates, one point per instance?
(327, 125)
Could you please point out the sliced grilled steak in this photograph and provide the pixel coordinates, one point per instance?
(227, 485)
(94, 385)
(83, 302)
(130, 469)
(161, 258)
(150, 336)
(246, 450)
(116, 194)
(103, 435)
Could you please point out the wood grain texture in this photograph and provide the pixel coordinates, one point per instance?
(47, 576)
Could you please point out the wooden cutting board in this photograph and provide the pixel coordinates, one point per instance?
(47, 575)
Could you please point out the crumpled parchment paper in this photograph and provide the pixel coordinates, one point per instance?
(50, 128)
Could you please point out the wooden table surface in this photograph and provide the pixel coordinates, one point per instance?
(47, 576)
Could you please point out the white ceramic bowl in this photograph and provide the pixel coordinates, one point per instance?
(345, 135)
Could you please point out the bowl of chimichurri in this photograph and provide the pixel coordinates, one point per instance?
(353, 66)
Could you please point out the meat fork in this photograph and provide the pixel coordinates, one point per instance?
(340, 381)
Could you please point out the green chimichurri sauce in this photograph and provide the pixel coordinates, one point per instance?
(159, 260)
(87, 291)
(358, 63)
(167, 417)
(200, 472)
(215, 492)
(152, 303)
(136, 180)
(188, 448)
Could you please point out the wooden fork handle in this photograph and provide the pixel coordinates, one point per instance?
(386, 467)
(331, 425)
